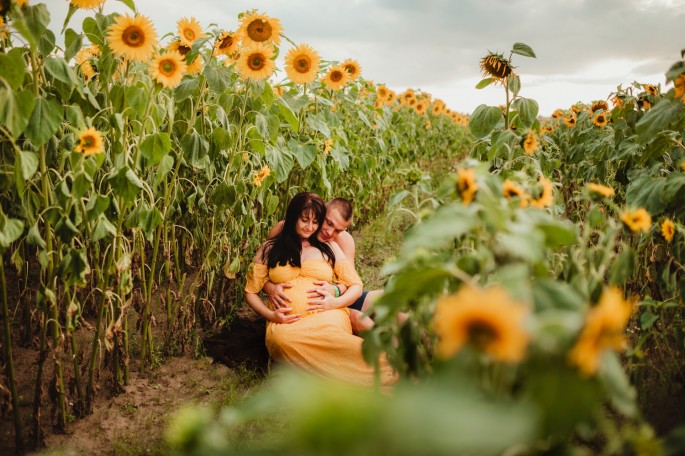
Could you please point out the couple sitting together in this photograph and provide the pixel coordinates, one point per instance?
(312, 284)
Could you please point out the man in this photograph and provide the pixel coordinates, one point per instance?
(334, 226)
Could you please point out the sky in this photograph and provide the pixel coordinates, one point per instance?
(585, 48)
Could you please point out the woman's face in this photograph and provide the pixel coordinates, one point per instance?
(306, 225)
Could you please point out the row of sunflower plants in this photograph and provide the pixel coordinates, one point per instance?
(525, 276)
(139, 177)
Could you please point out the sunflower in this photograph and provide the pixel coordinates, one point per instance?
(411, 101)
(420, 107)
(90, 142)
(327, 144)
(132, 37)
(382, 92)
(644, 103)
(4, 29)
(391, 98)
(227, 44)
(168, 68)
(511, 190)
(256, 62)
(21, 3)
(438, 107)
(86, 4)
(546, 128)
(600, 119)
(353, 68)
(466, 184)
(261, 175)
(558, 114)
(530, 144)
(650, 89)
(257, 28)
(546, 197)
(679, 86)
(600, 190)
(189, 30)
(617, 101)
(83, 60)
(604, 325)
(302, 64)
(487, 320)
(570, 119)
(668, 229)
(599, 105)
(336, 78)
(495, 66)
(637, 220)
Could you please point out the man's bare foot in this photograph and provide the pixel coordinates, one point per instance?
(360, 321)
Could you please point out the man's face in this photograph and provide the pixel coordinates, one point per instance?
(333, 224)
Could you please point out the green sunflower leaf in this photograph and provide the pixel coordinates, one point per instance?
(523, 49)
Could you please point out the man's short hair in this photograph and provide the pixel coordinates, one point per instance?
(343, 206)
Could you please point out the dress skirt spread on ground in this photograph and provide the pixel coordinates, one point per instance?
(321, 343)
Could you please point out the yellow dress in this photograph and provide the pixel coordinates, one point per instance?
(321, 343)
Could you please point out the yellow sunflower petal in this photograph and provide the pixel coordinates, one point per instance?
(256, 62)
(90, 142)
(257, 28)
(189, 30)
(168, 68)
(302, 64)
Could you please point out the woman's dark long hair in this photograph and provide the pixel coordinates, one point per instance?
(286, 247)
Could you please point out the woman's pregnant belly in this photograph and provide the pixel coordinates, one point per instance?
(298, 295)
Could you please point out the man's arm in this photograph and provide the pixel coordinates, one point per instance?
(346, 243)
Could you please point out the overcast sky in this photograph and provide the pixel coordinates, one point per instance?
(585, 48)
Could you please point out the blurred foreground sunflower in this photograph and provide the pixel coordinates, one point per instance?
(466, 184)
(600, 190)
(638, 220)
(87, 4)
(668, 229)
(487, 320)
(545, 192)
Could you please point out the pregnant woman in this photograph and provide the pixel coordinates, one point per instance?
(317, 338)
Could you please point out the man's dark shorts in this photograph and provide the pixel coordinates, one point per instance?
(357, 305)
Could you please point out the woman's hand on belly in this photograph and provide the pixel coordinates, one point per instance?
(279, 316)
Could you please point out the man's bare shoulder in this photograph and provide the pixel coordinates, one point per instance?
(275, 230)
(344, 238)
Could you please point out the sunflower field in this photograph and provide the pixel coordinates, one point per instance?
(543, 273)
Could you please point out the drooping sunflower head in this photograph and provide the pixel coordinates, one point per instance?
(466, 184)
(168, 68)
(600, 191)
(495, 66)
(530, 144)
(83, 60)
(546, 128)
(668, 229)
(558, 114)
(302, 64)
(175, 45)
(487, 320)
(257, 28)
(650, 89)
(353, 68)
(603, 330)
(261, 175)
(543, 195)
(256, 62)
(90, 142)
(189, 30)
(227, 44)
(637, 221)
(391, 98)
(599, 105)
(679, 86)
(643, 103)
(336, 78)
(132, 37)
(600, 119)
(87, 4)
(617, 101)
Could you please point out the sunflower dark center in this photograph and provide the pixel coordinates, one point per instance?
(227, 42)
(88, 141)
(351, 69)
(336, 76)
(303, 64)
(481, 334)
(133, 36)
(256, 62)
(167, 67)
(183, 50)
(259, 30)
